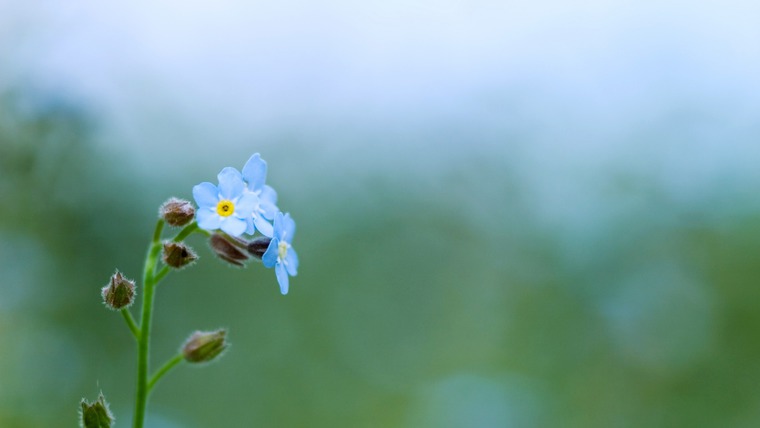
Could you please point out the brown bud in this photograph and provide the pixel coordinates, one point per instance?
(227, 250)
(259, 246)
(178, 255)
(119, 293)
(177, 212)
(204, 346)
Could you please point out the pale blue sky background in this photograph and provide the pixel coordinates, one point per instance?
(562, 93)
(587, 78)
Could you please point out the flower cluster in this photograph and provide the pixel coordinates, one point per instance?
(243, 203)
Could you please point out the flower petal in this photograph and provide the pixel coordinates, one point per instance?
(278, 225)
(288, 228)
(230, 183)
(269, 194)
(282, 278)
(263, 226)
(233, 225)
(255, 172)
(206, 195)
(269, 259)
(208, 219)
(245, 205)
(291, 262)
(267, 209)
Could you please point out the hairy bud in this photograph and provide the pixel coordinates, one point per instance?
(178, 255)
(95, 415)
(119, 293)
(227, 250)
(259, 246)
(204, 346)
(177, 212)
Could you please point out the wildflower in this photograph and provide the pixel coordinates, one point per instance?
(255, 174)
(226, 207)
(280, 254)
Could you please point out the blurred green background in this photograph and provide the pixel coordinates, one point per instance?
(509, 215)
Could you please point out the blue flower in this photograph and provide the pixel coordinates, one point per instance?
(280, 254)
(255, 174)
(226, 207)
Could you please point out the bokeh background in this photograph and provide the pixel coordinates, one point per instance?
(510, 214)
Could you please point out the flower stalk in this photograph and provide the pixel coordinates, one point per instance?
(143, 343)
(164, 370)
(241, 203)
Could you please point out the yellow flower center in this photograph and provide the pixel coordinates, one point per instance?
(225, 208)
(282, 250)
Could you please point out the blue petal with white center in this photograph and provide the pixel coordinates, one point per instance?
(280, 253)
(227, 206)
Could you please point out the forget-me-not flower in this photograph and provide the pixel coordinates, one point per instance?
(280, 254)
(226, 207)
(255, 174)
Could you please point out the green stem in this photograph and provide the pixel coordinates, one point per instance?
(150, 279)
(165, 369)
(143, 344)
(186, 231)
(131, 323)
(161, 274)
(157, 231)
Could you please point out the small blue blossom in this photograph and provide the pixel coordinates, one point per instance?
(280, 254)
(255, 174)
(226, 207)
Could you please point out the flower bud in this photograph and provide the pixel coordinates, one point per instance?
(178, 255)
(259, 246)
(204, 346)
(95, 415)
(119, 293)
(227, 250)
(177, 212)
